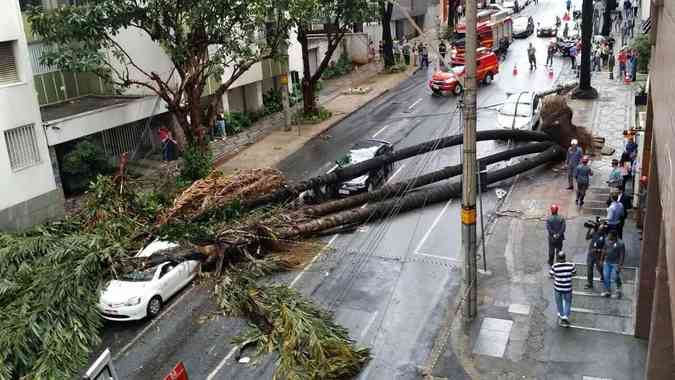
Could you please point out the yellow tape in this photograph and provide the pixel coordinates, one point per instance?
(468, 216)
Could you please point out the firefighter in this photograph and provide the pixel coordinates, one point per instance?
(555, 227)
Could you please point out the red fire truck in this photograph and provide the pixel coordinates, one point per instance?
(494, 32)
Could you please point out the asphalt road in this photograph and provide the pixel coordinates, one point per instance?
(388, 282)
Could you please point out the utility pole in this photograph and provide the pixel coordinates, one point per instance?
(469, 165)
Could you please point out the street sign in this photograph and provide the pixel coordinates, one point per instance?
(177, 373)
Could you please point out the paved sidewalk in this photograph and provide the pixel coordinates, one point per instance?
(516, 335)
(266, 144)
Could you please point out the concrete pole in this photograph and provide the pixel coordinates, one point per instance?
(284, 102)
(469, 172)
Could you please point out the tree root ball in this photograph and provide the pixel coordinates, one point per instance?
(556, 121)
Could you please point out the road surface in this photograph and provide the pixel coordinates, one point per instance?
(388, 282)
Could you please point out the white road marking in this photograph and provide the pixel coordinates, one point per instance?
(152, 323)
(414, 104)
(222, 363)
(433, 225)
(380, 131)
(369, 324)
(330, 242)
(436, 256)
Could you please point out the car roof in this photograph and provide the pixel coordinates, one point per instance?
(156, 246)
(526, 97)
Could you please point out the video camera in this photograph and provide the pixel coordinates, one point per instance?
(595, 224)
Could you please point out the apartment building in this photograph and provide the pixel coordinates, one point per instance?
(46, 111)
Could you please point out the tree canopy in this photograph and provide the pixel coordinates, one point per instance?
(202, 38)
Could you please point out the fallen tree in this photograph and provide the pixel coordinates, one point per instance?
(342, 174)
(423, 180)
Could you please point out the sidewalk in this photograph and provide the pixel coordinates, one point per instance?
(265, 144)
(516, 335)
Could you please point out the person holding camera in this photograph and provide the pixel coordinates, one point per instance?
(596, 234)
(555, 226)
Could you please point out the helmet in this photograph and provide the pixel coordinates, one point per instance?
(574, 142)
(584, 159)
(554, 209)
(643, 179)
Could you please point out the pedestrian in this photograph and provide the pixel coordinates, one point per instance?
(219, 130)
(633, 65)
(610, 65)
(549, 54)
(613, 259)
(566, 31)
(531, 56)
(555, 227)
(596, 235)
(615, 213)
(573, 56)
(622, 57)
(169, 145)
(406, 54)
(597, 60)
(630, 149)
(516, 6)
(397, 52)
(562, 273)
(627, 7)
(380, 51)
(642, 202)
(568, 5)
(425, 56)
(627, 204)
(442, 50)
(371, 51)
(574, 155)
(604, 53)
(460, 10)
(583, 175)
(615, 180)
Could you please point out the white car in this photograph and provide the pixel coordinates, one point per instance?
(141, 294)
(520, 111)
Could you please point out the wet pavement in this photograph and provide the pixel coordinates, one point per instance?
(391, 283)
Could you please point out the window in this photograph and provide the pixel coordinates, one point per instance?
(22, 147)
(8, 73)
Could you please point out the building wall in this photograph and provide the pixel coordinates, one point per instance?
(662, 82)
(28, 195)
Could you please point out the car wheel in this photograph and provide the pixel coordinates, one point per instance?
(457, 90)
(154, 306)
(488, 78)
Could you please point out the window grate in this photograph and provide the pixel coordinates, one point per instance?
(22, 147)
(8, 73)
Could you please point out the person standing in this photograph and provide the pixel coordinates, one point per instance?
(633, 65)
(596, 60)
(425, 56)
(627, 204)
(574, 155)
(615, 180)
(549, 54)
(573, 56)
(568, 5)
(219, 131)
(442, 50)
(622, 63)
(610, 64)
(613, 258)
(615, 213)
(562, 273)
(596, 235)
(381, 51)
(406, 54)
(460, 11)
(566, 31)
(555, 227)
(531, 56)
(583, 175)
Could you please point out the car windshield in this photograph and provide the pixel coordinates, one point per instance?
(510, 108)
(139, 276)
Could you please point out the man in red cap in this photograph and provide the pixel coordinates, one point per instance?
(555, 226)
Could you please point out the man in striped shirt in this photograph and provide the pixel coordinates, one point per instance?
(562, 273)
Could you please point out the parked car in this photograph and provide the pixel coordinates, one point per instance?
(523, 27)
(510, 5)
(520, 111)
(547, 30)
(139, 294)
(361, 151)
(450, 80)
(499, 8)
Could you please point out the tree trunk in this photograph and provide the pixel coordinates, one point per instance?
(422, 198)
(585, 91)
(399, 188)
(353, 171)
(308, 97)
(386, 9)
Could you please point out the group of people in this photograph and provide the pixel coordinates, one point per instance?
(404, 51)
(606, 251)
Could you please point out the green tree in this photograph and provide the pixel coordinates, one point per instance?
(201, 38)
(338, 17)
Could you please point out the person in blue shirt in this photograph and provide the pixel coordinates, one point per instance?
(615, 214)
(583, 174)
(615, 179)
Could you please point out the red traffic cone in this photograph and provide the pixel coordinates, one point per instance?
(550, 72)
(515, 70)
(626, 78)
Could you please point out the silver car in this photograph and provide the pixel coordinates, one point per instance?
(520, 111)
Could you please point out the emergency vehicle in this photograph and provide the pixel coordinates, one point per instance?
(494, 32)
(451, 80)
